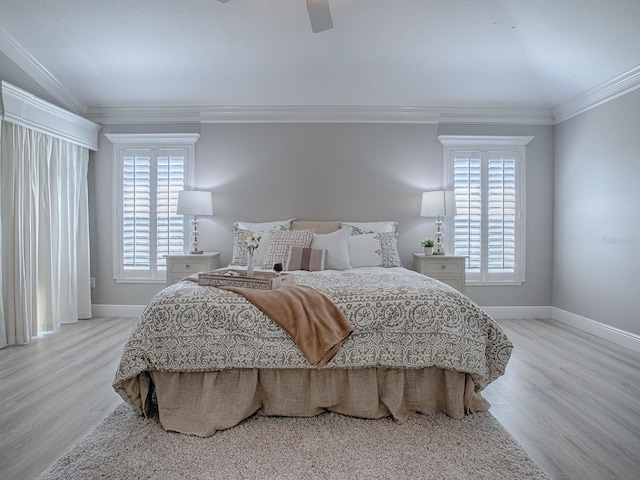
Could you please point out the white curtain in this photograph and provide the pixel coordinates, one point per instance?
(44, 233)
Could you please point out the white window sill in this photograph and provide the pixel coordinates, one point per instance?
(139, 280)
(471, 283)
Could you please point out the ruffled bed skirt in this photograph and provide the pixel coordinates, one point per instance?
(200, 403)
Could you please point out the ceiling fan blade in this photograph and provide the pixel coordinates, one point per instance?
(320, 15)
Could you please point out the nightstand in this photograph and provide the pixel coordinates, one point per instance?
(448, 269)
(180, 266)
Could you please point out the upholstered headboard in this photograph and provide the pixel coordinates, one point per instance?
(319, 227)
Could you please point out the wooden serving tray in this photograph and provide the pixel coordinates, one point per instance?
(260, 280)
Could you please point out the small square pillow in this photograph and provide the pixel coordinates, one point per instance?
(279, 243)
(336, 246)
(240, 252)
(374, 250)
(241, 230)
(359, 228)
(310, 259)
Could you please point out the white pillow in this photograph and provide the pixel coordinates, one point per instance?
(337, 248)
(358, 228)
(264, 226)
(374, 250)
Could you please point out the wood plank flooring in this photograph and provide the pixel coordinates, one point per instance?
(571, 399)
(55, 390)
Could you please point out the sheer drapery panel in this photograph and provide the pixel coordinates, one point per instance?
(44, 232)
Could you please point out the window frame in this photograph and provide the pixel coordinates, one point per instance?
(149, 141)
(489, 147)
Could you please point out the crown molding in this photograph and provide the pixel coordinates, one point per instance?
(25, 109)
(321, 114)
(143, 115)
(609, 90)
(497, 115)
(158, 139)
(461, 141)
(27, 62)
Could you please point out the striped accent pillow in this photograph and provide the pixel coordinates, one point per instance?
(311, 259)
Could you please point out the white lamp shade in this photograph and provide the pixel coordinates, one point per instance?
(441, 202)
(194, 202)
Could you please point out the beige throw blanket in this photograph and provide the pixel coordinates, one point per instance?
(311, 319)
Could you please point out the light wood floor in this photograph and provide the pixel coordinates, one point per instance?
(571, 399)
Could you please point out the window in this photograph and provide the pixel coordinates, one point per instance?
(487, 175)
(150, 171)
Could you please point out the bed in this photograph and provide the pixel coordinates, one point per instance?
(207, 358)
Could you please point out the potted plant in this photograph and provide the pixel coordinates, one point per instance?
(428, 244)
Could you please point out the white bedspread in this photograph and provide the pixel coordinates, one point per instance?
(400, 318)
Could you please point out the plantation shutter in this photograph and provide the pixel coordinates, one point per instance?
(486, 227)
(468, 221)
(170, 227)
(136, 210)
(502, 211)
(150, 227)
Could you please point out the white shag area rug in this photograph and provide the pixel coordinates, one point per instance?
(329, 446)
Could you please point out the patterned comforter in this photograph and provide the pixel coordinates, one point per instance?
(401, 319)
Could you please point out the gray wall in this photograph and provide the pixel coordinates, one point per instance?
(363, 172)
(597, 214)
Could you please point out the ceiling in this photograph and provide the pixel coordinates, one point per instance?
(91, 55)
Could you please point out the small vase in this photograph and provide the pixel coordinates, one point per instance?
(250, 265)
(428, 250)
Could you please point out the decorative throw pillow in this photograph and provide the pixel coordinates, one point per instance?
(374, 250)
(311, 259)
(336, 246)
(279, 243)
(240, 252)
(241, 230)
(361, 228)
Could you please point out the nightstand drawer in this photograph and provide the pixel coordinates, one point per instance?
(435, 267)
(449, 269)
(180, 266)
(189, 265)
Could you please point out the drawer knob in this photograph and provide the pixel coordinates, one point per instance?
(443, 267)
(187, 266)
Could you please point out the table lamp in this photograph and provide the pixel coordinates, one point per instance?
(437, 204)
(194, 202)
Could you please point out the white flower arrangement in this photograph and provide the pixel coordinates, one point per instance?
(253, 242)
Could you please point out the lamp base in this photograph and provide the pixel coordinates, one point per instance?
(195, 237)
(438, 248)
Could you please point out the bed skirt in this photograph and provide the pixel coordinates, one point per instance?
(200, 403)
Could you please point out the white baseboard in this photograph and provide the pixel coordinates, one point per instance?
(600, 330)
(518, 312)
(606, 332)
(117, 310)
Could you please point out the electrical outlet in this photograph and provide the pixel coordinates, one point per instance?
(92, 281)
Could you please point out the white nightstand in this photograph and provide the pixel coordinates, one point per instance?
(180, 266)
(448, 269)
